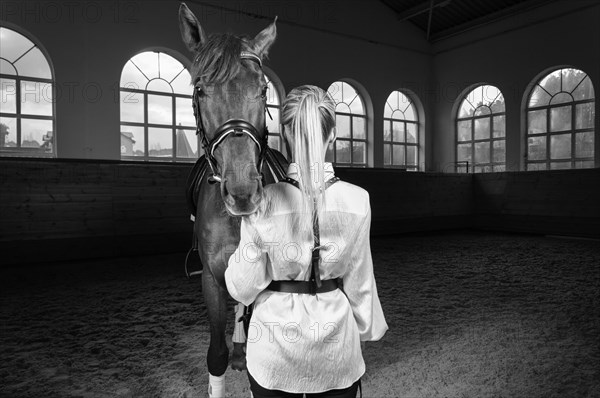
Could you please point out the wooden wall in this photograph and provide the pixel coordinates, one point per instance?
(57, 210)
(557, 202)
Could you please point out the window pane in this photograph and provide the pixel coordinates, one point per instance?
(342, 123)
(33, 64)
(499, 168)
(342, 151)
(539, 97)
(329, 153)
(584, 144)
(466, 110)
(132, 141)
(585, 115)
(169, 67)
(185, 112)
(159, 85)
(536, 166)
(411, 133)
(482, 128)
(560, 165)
(147, 62)
(8, 96)
(160, 109)
(275, 142)
(499, 151)
(464, 130)
(358, 128)
(132, 78)
(585, 90)
(499, 126)
(536, 148)
(13, 45)
(387, 130)
(37, 133)
(387, 154)
(398, 131)
(274, 125)
(560, 146)
(464, 153)
(6, 68)
(411, 155)
(359, 152)
(482, 152)
(8, 132)
(560, 118)
(132, 107)
(410, 113)
(182, 83)
(482, 110)
(160, 142)
(187, 144)
(561, 98)
(584, 164)
(36, 98)
(536, 121)
(398, 155)
(551, 83)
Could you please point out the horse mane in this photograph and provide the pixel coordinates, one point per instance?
(219, 59)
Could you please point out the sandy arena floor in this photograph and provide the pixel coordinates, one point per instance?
(470, 315)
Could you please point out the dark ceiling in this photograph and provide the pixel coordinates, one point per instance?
(452, 16)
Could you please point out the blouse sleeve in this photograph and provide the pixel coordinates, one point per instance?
(246, 274)
(360, 288)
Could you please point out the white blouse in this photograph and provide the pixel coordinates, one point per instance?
(304, 343)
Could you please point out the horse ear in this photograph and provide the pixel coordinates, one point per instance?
(263, 41)
(191, 32)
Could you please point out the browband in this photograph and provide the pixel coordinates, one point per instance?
(251, 56)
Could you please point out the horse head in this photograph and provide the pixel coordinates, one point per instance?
(229, 104)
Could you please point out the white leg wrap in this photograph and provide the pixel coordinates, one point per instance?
(216, 386)
(239, 336)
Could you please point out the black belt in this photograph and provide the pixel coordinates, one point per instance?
(303, 287)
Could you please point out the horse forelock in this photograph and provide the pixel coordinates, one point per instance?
(219, 60)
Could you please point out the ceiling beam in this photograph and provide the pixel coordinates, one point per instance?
(421, 8)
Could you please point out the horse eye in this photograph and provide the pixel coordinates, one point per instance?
(199, 91)
(264, 91)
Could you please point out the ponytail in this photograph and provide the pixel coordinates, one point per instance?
(308, 117)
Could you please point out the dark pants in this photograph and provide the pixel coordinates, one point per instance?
(260, 392)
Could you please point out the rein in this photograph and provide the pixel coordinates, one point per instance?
(237, 127)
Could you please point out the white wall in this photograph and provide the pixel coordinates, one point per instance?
(510, 54)
(318, 43)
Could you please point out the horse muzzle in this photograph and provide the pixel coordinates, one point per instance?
(242, 198)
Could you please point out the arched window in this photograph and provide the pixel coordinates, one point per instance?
(560, 121)
(350, 147)
(27, 122)
(157, 119)
(274, 109)
(480, 131)
(400, 132)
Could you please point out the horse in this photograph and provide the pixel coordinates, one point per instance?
(229, 102)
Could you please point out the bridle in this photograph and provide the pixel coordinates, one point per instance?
(237, 127)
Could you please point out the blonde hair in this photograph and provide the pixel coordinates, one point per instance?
(308, 117)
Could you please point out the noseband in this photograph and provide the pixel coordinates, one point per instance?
(237, 127)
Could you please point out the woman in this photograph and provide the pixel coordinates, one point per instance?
(310, 315)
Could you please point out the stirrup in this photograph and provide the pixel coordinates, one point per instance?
(189, 274)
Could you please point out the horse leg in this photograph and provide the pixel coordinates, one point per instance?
(238, 358)
(217, 358)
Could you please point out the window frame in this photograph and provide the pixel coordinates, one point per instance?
(573, 131)
(275, 82)
(145, 125)
(351, 116)
(19, 151)
(405, 144)
(472, 166)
